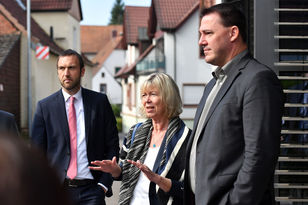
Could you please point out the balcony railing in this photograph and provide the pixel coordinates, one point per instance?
(151, 65)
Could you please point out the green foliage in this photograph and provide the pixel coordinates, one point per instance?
(117, 113)
(117, 13)
(116, 110)
(119, 124)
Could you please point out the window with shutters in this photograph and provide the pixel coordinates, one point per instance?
(291, 175)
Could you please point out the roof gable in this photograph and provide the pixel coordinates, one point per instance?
(72, 6)
(105, 52)
(17, 17)
(172, 13)
(94, 38)
(134, 18)
(40, 5)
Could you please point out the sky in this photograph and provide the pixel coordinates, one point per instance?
(97, 12)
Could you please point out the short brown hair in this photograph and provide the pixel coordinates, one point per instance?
(231, 14)
(71, 52)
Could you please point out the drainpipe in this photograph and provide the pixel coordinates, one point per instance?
(29, 65)
(174, 58)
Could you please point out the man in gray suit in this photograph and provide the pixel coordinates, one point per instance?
(234, 145)
(8, 124)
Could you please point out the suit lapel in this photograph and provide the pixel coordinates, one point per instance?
(87, 113)
(61, 116)
(206, 92)
(233, 73)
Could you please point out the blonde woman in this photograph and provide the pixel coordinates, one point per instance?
(152, 158)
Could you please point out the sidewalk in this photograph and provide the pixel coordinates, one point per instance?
(114, 199)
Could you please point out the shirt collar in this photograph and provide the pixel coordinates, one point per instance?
(221, 72)
(76, 95)
(218, 73)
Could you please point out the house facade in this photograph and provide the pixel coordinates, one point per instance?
(104, 46)
(59, 19)
(173, 32)
(43, 77)
(179, 23)
(137, 44)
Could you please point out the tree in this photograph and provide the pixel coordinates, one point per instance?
(117, 13)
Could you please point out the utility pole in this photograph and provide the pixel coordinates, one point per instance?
(29, 65)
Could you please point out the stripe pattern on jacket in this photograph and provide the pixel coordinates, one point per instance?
(171, 163)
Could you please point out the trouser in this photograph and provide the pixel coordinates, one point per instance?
(89, 194)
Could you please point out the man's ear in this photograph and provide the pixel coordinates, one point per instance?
(83, 70)
(234, 33)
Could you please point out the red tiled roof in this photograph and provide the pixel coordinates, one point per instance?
(38, 34)
(94, 38)
(53, 5)
(129, 69)
(105, 52)
(37, 5)
(171, 14)
(134, 17)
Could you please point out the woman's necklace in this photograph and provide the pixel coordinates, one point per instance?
(158, 138)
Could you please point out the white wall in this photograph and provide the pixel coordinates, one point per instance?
(169, 49)
(190, 68)
(116, 59)
(66, 29)
(133, 115)
(132, 53)
(114, 89)
(86, 80)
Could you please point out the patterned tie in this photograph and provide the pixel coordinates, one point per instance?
(72, 169)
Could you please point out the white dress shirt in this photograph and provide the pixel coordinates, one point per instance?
(83, 172)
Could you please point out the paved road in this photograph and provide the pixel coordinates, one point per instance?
(114, 199)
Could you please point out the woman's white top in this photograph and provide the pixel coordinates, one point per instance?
(141, 191)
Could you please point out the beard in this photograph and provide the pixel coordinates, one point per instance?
(72, 85)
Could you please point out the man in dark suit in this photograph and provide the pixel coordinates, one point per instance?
(8, 124)
(234, 145)
(75, 126)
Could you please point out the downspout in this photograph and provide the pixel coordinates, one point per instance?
(174, 58)
(135, 88)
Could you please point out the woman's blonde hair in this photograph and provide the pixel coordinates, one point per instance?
(168, 90)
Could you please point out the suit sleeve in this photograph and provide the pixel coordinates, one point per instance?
(261, 113)
(13, 127)
(10, 124)
(38, 135)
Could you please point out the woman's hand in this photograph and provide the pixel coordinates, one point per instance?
(162, 182)
(108, 166)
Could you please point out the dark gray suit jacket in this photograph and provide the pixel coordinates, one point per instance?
(239, 144)
(8, 124)
(50, 132)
